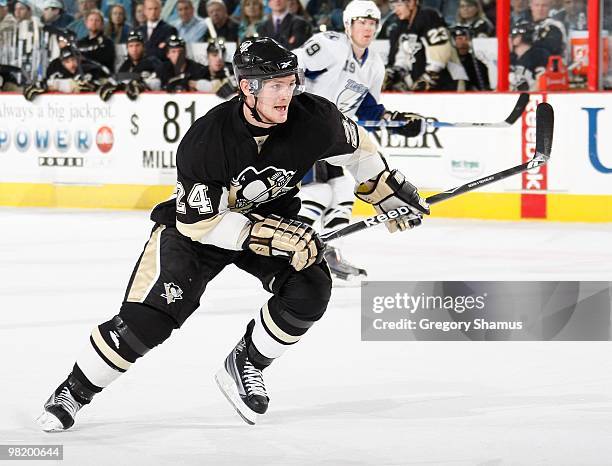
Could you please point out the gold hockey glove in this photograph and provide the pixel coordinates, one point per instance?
(390, 190)
(274, 236)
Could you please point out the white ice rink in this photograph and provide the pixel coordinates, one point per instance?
(334, 399)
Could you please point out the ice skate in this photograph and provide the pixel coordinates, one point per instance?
(242, 384)
(343, 271)
(60, 410)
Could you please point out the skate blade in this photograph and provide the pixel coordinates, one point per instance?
(49, 423)
(228, 387)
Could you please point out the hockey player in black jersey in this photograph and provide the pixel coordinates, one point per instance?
(179, 73)
(478, 74)
(218, 76)
(69, 73)
(136, 61)
(421, 57)
(136, 74)
(527, 61)
(238, 172)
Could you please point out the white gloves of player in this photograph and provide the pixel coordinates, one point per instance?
(276, 236)
(390, 190)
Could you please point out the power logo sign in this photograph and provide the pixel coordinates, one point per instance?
(105, 139)
(534, 180)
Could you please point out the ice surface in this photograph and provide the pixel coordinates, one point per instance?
(334, 399)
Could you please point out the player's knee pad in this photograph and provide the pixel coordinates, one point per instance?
(116, 344)
(305, 294)
(149, 325)
(287, 316)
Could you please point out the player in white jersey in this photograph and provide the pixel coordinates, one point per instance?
(341, 68)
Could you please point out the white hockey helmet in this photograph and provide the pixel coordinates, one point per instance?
(360, 9)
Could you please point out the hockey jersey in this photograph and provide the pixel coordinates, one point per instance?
(333, 72)
(225, 171)
(525, 70)
(424, 45)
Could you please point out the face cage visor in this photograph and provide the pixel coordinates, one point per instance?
(256, 83)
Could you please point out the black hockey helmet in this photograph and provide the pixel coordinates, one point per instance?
(460, 31)
(66, 35)
(525, 29)
(69, 52)
(175, 42)
(259, 59)
(216, 46)
(135, 36)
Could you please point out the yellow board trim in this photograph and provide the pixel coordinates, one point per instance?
(579, 208)
(106, 196)
(495, 206)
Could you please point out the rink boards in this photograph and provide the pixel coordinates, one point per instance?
(77, 151)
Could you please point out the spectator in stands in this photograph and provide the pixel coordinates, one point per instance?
(519, 11)
(326, 14)
(289, 30)
(96, 46)
(297, 9)
(117, 29)
(527, 61)
(225, 26)
(138, 14)
(232, 7)
(572, 15)
(107, 5)
(169, 11)
(78, 25)
(179, 73)
(156, 32)
(23, 11)
(477, 71)
(189, 26)
(549, 33)
(7, 20)
(470, 14)
(251, 15)
(54, 14)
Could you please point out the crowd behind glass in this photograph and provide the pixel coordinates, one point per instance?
(71, 45)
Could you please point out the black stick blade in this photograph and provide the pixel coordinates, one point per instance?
(519, 108)
(545, 122)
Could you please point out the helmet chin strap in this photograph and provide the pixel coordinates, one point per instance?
(256, 114)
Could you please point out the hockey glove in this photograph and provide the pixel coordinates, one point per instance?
(107, 90)
(394, 77)
(390, 190)
(84, 84)
(415, 124)
(134, 88)
(427, 82)
(224, 89)
(31, 91)
(274, 236)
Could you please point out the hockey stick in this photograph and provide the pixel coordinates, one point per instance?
(544, 136)
(517, 111)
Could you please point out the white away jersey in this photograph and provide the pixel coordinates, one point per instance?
(333, 72)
